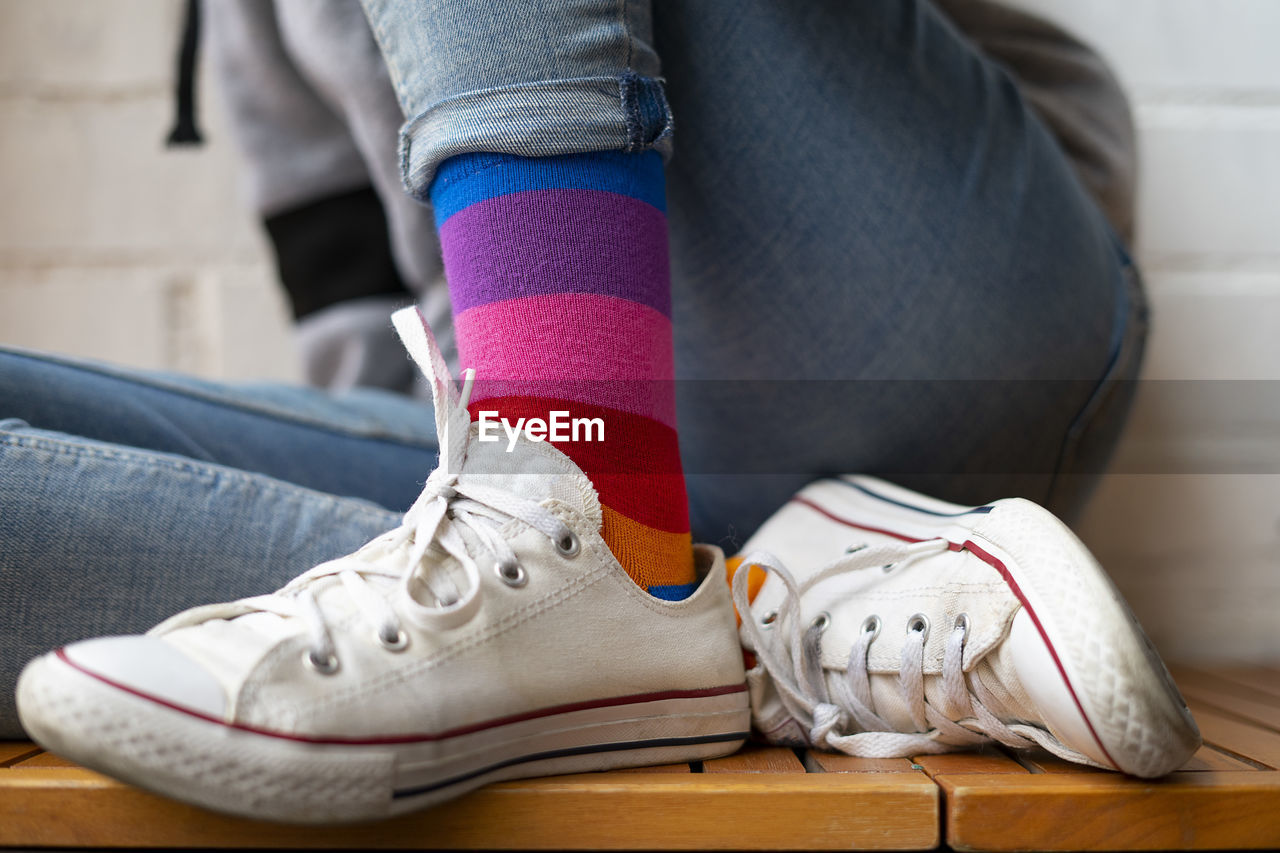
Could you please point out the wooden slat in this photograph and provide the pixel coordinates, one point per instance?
(1108, 811)
(1259, 681)
(988, 760)
(1236, 736)
(1264, 679)
(1223, 694)
(14, 750)
(73, 807)
(754, 758)
(1207, 758)
(836, 762)
(658, 768)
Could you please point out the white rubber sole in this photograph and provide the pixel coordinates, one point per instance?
(187, 756)
(1125, 698)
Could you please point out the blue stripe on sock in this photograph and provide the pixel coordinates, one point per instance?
(463, 180)
(673, 592)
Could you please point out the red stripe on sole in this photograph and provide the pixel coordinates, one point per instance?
(567, 708)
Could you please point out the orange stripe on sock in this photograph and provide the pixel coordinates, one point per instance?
(651, 557)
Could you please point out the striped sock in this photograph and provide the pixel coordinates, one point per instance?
(561, 292)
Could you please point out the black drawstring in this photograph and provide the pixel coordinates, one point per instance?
(184, 130)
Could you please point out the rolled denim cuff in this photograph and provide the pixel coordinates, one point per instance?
(543, 119)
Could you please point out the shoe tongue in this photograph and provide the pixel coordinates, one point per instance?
(536, 471)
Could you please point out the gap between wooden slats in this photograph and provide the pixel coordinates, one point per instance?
(1238, 737)
(13, 751)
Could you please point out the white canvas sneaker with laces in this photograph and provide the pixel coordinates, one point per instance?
(891, 624)
(491, 636)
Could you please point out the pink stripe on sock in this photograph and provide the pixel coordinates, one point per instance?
(586, 347)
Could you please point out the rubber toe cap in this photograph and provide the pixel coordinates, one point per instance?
(152, 669)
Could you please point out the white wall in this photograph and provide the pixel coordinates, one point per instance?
(112, 246)
(1192, 535)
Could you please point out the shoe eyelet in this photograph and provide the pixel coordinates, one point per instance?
(853, 549)
(820, 622)
(327, 666)
(512, 574)
(962, 621)
(398, 643)
(568, 544)
(871, 625)
(918, 623)
(769, 618)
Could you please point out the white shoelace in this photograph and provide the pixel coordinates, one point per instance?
(842, 716)
(443, 509)
(386, 570)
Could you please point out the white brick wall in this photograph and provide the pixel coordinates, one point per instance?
(60, 47)
(110, 244)
(1178, 49)
(114, 247)
(1194, 540)
(1209, 178)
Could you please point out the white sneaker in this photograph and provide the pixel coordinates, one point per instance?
(927, 627)
(492, 636)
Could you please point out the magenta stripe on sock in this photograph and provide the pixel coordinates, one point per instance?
(575, 346)
(557, 241)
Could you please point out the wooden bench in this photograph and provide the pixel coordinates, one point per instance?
(1227, 796)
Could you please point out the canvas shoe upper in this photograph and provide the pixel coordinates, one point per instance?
(491, 636)
(892, 624)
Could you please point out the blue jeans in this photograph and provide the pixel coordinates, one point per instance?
(882, 262)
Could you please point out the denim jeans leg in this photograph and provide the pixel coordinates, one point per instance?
(530, 79)
(882, 261)
(364, 443)
(99, 538)
(1092, 437)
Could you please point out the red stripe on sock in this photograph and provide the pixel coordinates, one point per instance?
(636, 469)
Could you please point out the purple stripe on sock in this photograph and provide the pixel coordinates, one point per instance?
(542, 242)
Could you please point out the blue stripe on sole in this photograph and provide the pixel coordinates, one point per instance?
(564, 753)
